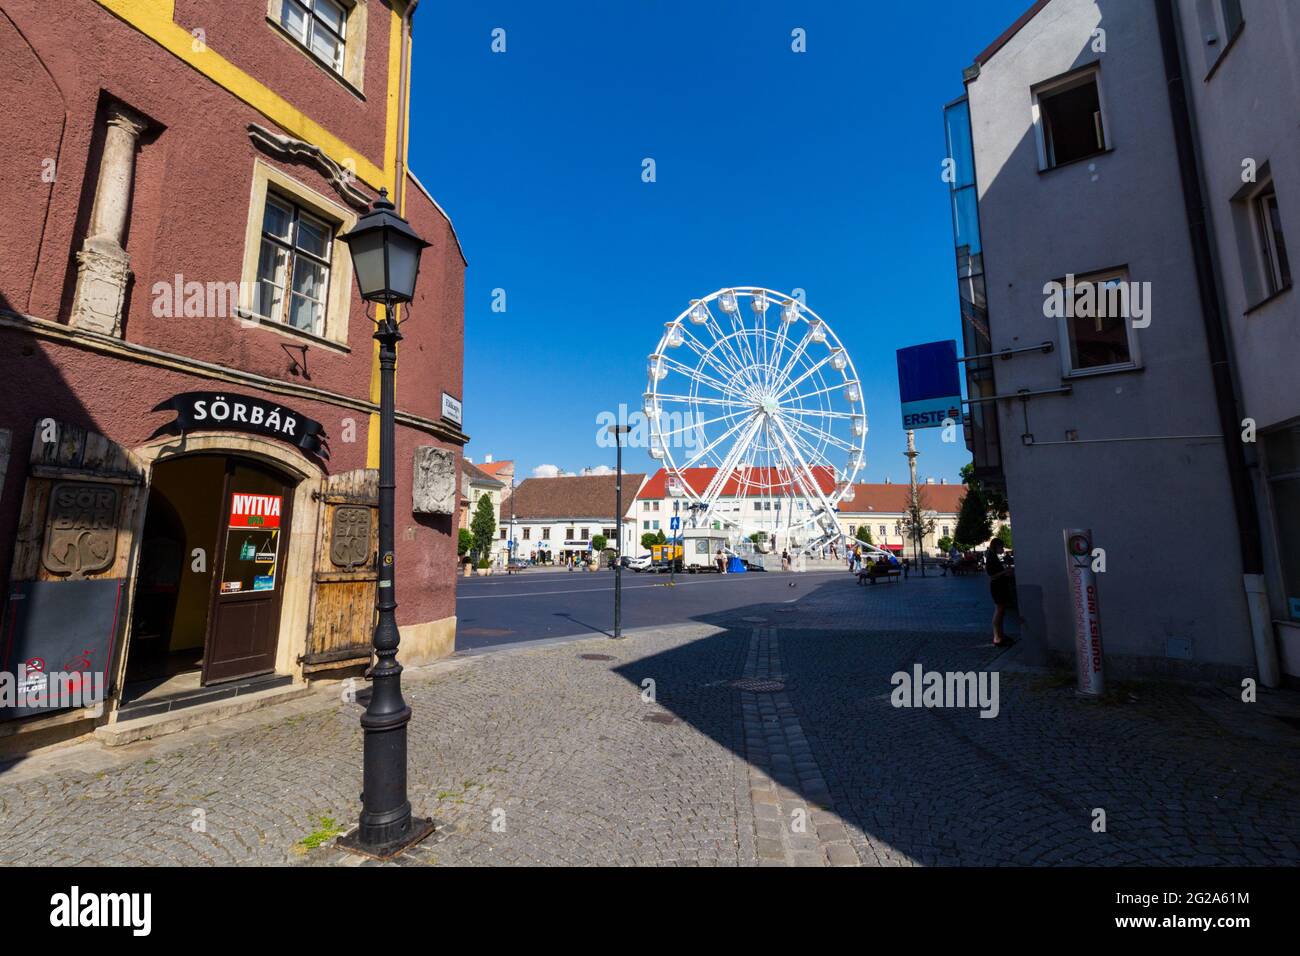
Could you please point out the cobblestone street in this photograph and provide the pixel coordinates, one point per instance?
(763, 736)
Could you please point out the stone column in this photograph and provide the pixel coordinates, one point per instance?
(102, 264)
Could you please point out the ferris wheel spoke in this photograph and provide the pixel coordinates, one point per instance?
(701, 399)
(808, 373)
(696, 375)
(795, 357)
(821, 391)
(817, 413)
(690, 425)
(719, 440)
(779, 347)
(815, 485)
(706, 354)
(720, 477)
(829, 437)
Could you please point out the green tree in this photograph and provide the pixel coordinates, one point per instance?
(598, 542)
(649, 540)
(945, 543)
(482, 526)
(1004, 535)
(993, 500)
(864, 534)
(464, 541)
(974, 526)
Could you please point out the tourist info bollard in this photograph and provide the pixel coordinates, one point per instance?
(1084, 610)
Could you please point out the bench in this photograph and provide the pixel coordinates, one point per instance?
(892, 574)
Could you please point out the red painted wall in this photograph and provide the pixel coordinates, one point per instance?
(188, 215)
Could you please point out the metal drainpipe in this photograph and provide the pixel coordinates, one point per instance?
(404, 74)
(1243, 497)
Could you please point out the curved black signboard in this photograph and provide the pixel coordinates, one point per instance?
(224, 411)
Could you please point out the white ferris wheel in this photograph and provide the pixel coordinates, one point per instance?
(755, 386)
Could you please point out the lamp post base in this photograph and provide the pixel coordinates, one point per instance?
(420, 829)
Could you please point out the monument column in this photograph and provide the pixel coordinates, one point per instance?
(103, 267)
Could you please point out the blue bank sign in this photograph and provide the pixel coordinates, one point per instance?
(928, 384)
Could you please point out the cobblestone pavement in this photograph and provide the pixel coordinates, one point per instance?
(765, 735)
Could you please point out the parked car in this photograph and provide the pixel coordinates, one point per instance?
(642, 563)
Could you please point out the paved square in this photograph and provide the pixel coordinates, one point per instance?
(764, 735)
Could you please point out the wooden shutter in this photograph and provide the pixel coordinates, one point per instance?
(344, 577)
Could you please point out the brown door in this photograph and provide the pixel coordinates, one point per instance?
(253, 542)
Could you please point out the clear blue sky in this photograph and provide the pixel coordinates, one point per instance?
(818, 170)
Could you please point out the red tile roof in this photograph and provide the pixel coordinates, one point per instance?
(571, 496)
(867, 497)
(893, 499)
(475, 473)
(493, 468)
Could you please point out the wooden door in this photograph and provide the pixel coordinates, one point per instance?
(244, 621)
(344, 578)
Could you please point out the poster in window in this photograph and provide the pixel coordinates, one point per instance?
(252, 543)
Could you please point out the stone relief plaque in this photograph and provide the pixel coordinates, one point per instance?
(350, 537)
(81, 528)
(434, 492)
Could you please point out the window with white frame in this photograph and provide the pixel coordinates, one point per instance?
(1272, 241)
(293, 266)
(1095, 324)
(1068, 119)
(1220, 21)
(320, 26)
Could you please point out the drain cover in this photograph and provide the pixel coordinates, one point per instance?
(595, 657)
(660, 718)
(758, 685)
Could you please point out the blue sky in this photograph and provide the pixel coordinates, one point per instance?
(816, 170)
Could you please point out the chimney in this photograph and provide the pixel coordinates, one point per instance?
(487, 459)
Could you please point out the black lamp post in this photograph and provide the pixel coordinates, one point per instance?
(386, 257)
(618, 431)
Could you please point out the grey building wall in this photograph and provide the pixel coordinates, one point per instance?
(1157, 500)
(1244, 91)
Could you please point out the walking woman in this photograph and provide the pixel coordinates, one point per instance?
(1002, 585)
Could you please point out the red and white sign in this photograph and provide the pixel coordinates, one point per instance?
(1084, 612)
(254, 511)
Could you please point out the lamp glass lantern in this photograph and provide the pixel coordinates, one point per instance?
(385, 253)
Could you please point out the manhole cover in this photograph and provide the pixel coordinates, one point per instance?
(660, 718)
(595, 657)
(758, 685)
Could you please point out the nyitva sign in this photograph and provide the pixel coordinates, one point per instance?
(242, 413)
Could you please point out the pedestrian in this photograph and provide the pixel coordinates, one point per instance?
(1002, 587)
(721, 561)
(785, 560)
(907, 567)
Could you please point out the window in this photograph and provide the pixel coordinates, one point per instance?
(1220, 22)
(528, 533)
(320, 26)
(293, 266)
(1272, 242)
(1282, 467)
(1095, 323)
(645, 525)
(1067, 117)
(945, 531)
(611, 532)
(503, 534)
(569, 534)
(543, 534)
(882, 529)
(645, 506)
(297, 277)
(758, 506)
(656, 525)
(583, 536)
(656, 506)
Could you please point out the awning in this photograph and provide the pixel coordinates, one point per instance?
(892, 547)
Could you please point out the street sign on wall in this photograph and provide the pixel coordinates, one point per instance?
(929, 387)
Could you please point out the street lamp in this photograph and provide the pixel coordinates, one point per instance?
(386, 258)
(618, 431)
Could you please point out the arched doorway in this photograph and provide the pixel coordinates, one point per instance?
(210, 582)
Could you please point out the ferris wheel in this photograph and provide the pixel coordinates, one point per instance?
(756, 387)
